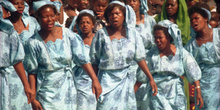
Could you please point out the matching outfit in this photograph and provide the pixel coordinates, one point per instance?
(113, 58)
(52, 62)
(208, 57)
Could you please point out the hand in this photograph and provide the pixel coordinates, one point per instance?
(199, 100)
(100, 15)
(36, 105)
(96, 88)
(154, 87)
(30, 94)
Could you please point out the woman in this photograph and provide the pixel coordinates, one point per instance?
(12, 54)
(204, 46)
(170, 86)
(86, 99)
(25, 26)
(50, 56)
(112, 50)
(176, 11)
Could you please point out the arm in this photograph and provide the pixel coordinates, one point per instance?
(32, 80)
(96, 87)
(95, 68)
(137, 85)
(142, 64)
(199, 95)
(19, 68)
(61, 16)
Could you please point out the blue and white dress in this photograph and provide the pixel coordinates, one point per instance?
(86, 99)
(11, 53)
(52, 62)
(18, 97)
(114, 58)
(145, 31)
(208, 57)
(170, 94)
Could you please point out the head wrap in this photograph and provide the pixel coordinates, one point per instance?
(73, 23)
(182, 19)
(39, 4)
(193, 32)
(175, 33)
(8, 5)
(143, 8)
(130, 18)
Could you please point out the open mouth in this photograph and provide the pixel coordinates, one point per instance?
(195, 26)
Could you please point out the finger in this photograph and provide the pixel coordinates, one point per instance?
(28, 98)
(93, 90)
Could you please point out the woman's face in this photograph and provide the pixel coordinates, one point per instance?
(135, 4)
(116, 17)
(171, 7)
(84, 4)
(198, 22)
(86, 25)
(161, 40)
(19, 5)
(47, 18)
(100, 5)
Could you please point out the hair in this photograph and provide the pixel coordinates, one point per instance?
(85, 14)
(69, 21)
(38, 12)
(109, 9)
(214, 15)
(93, 1)
(196, 9)
(165, 31)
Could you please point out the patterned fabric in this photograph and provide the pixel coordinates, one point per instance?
(170, 86)
(18, 97)
(11, 53)
(113, 58)
(86, 99)
(145, 31)
(208, 58)
(53, 63)
(182, 19)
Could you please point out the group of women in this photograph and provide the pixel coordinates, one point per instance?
(131, 54)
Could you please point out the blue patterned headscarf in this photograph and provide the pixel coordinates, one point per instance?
(175, 33)
(8, 5)
(38, 4)
(130, 18)
(74, 20)
(143, 8)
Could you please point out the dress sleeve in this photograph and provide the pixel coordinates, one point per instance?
(16, 50)
(96, 46)
(30, 61)
(192, 70)
(139, 48)
(78, 49)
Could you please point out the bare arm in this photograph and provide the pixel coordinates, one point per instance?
(199, 94)
(143, 65)
(19, 68)
(96, 87)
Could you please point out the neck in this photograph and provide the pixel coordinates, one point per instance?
(87, 35)
(205, 32)
(15, 18)
(167, 51)
(138, 16)
(46, 33)
(172, 18)
(117, 29)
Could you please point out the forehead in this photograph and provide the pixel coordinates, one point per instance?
(101, 2)
(46, 10)
(16, 1)
(172, 2)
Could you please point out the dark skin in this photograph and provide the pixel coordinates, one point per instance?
(135, 4)
(172, 9)
(50, 32)
(16, 17)
(117, 30)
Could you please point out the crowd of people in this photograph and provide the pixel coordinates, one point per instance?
(109, 54)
